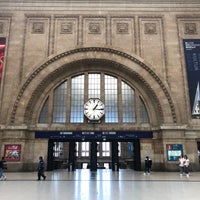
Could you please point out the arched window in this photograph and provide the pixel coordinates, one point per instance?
(118, 96)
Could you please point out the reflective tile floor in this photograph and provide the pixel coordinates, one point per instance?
(100, 185)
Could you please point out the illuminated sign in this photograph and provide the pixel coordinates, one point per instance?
(97, 135)
(174, 151)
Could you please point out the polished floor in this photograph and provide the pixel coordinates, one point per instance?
(101, 185)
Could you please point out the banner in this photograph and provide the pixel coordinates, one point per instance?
(2, 52)
(192, 58)
(12, 152)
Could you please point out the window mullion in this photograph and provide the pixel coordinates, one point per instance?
(68, 100)
(119, 93)
(137, 107)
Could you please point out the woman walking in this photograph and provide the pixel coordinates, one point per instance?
(186, 165)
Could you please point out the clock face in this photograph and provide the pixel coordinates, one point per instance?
(94, 109)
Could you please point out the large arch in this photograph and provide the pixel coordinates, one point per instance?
(83, 59)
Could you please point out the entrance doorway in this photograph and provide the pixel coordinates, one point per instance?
(93, 155)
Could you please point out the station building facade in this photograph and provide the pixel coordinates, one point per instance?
(141, 60)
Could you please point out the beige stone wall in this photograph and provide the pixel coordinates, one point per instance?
(38, 34)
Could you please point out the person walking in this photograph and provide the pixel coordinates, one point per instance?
(3, 166)
(181, 164)
(186, 165)
(148, 164)
(41, 167)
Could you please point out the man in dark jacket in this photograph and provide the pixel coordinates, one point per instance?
(41, 167)
(148, 164)
(2, 167)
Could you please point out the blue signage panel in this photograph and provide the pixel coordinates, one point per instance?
(97, 135)
(192, 59)
(174, 151)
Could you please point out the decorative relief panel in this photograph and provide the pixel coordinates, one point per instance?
(123, 33)
(190, 28)
(66, 28)
(38, 27)
(150, 28)
(66, 33)
(122, 28)
(151, 37)
(94, 31)
(94, 28)
(36, 41)
(1, 27)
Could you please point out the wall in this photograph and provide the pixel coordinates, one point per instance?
(153, 33)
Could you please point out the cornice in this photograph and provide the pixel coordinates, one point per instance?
(103, 1)
(94, 5)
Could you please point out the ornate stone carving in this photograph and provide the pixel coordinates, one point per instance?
(150, 28)
(38, 27)
(190, 28)
(122, 28)
(1, 27)
(94, 28)
(66, 28)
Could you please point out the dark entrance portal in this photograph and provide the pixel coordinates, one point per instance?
(72, 162)
(76, 157)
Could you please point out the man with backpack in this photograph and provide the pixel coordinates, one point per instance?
(41, 167)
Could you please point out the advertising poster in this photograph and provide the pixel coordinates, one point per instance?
(2, 52)
(174, 151)
(192, 59)
(12, 152)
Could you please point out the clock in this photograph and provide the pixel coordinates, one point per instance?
(94, 109)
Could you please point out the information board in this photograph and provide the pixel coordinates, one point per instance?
(97, 135)
(174, 151)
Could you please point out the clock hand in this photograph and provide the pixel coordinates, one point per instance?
(95, 107)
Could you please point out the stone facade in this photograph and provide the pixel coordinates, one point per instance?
(142, 42)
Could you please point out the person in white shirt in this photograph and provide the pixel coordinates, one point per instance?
(186, 165)
(181, 164)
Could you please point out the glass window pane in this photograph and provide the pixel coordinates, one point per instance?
(58, 149)
(105, 148)
(77, 99)
(128, 104)
(44, 112)
(77, 149)
(59, 103)
(111, 100)
(94, 86)
(119, 149)
(85, 147)
(143, 113)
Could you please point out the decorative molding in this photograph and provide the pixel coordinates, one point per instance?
(66, 28)
(37, 28)
(190, 28)
(122, 28)
(150, 28)
(94, 28)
